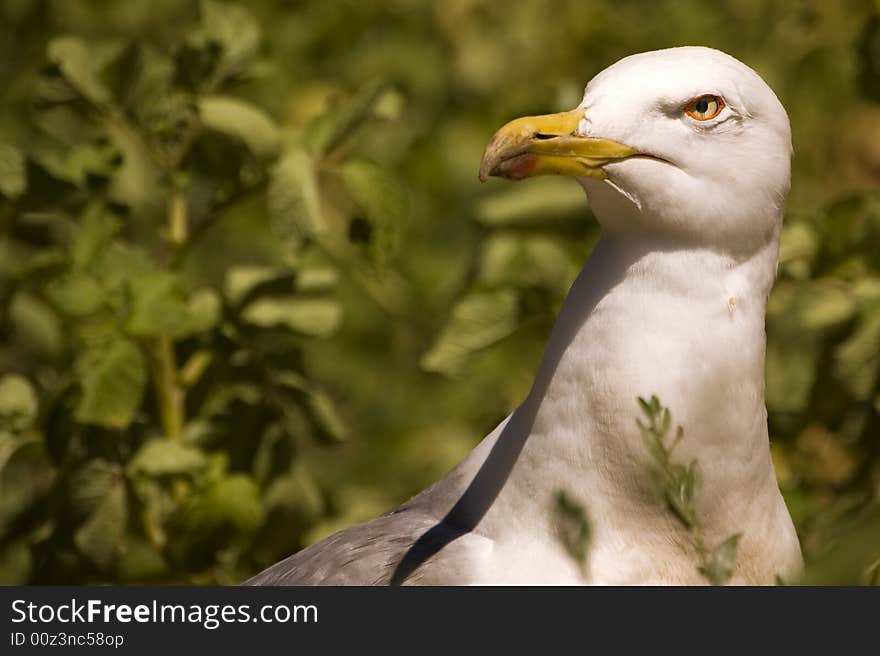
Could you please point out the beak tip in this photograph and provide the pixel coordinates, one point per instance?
(486, 169)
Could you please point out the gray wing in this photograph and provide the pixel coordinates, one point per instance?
(370, 553)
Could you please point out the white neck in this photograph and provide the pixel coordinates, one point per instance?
(643, 318)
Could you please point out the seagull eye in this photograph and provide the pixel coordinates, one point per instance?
(704, 107)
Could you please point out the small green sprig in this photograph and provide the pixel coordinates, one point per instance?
(677, 484)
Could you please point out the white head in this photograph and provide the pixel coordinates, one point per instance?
(685, 144)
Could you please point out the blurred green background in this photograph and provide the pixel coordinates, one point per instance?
(251, 291)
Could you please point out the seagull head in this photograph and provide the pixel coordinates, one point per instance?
(684, 144)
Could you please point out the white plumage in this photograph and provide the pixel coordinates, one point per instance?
(670, 303)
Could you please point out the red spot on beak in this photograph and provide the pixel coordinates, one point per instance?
(520, 167)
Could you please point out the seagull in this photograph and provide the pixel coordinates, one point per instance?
(685, 155)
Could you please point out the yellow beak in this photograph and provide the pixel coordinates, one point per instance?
(548, 145)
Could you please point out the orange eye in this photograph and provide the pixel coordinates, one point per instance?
(704, 107)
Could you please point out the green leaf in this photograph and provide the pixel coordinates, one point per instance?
(118, 264)
(78, 66)
(141, 561)
(204, 309)
(68, 126)
(237, 498)
(78, 153)
(678, 496)
(96, 229)
(195, 367)
(326, 416)
(235, 30)
(215, 515)
(101, 537)
(223, 398)
(92, 482)
(867, 291)
(479, 320)
(294, 202)
(296, 490)
(26, 478)
(137, 181)
(383, 203)
(41, 261)
(161, 457)
(85, 161)
(572, 527)
(316, 279)
(242, 120)
(241, 280)
(718, 566)
(266, 462)
(142, 79)
(155, 505)
(293, 380)
(13, 174)
(18, 403)
(112, 378)
(76, 294)
(36, 323)
(665, 421)
(318, 317)
(158, 307)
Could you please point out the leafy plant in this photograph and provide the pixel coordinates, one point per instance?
(162, 409)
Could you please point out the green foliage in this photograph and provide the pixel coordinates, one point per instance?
(173, 403)
(293, 199)
(241, 120)
(382, 203)
(239, 242)
(18, 404)
(112, 378)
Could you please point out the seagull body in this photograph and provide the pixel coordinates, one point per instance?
(685, 157)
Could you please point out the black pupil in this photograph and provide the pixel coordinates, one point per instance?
(702, 106)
